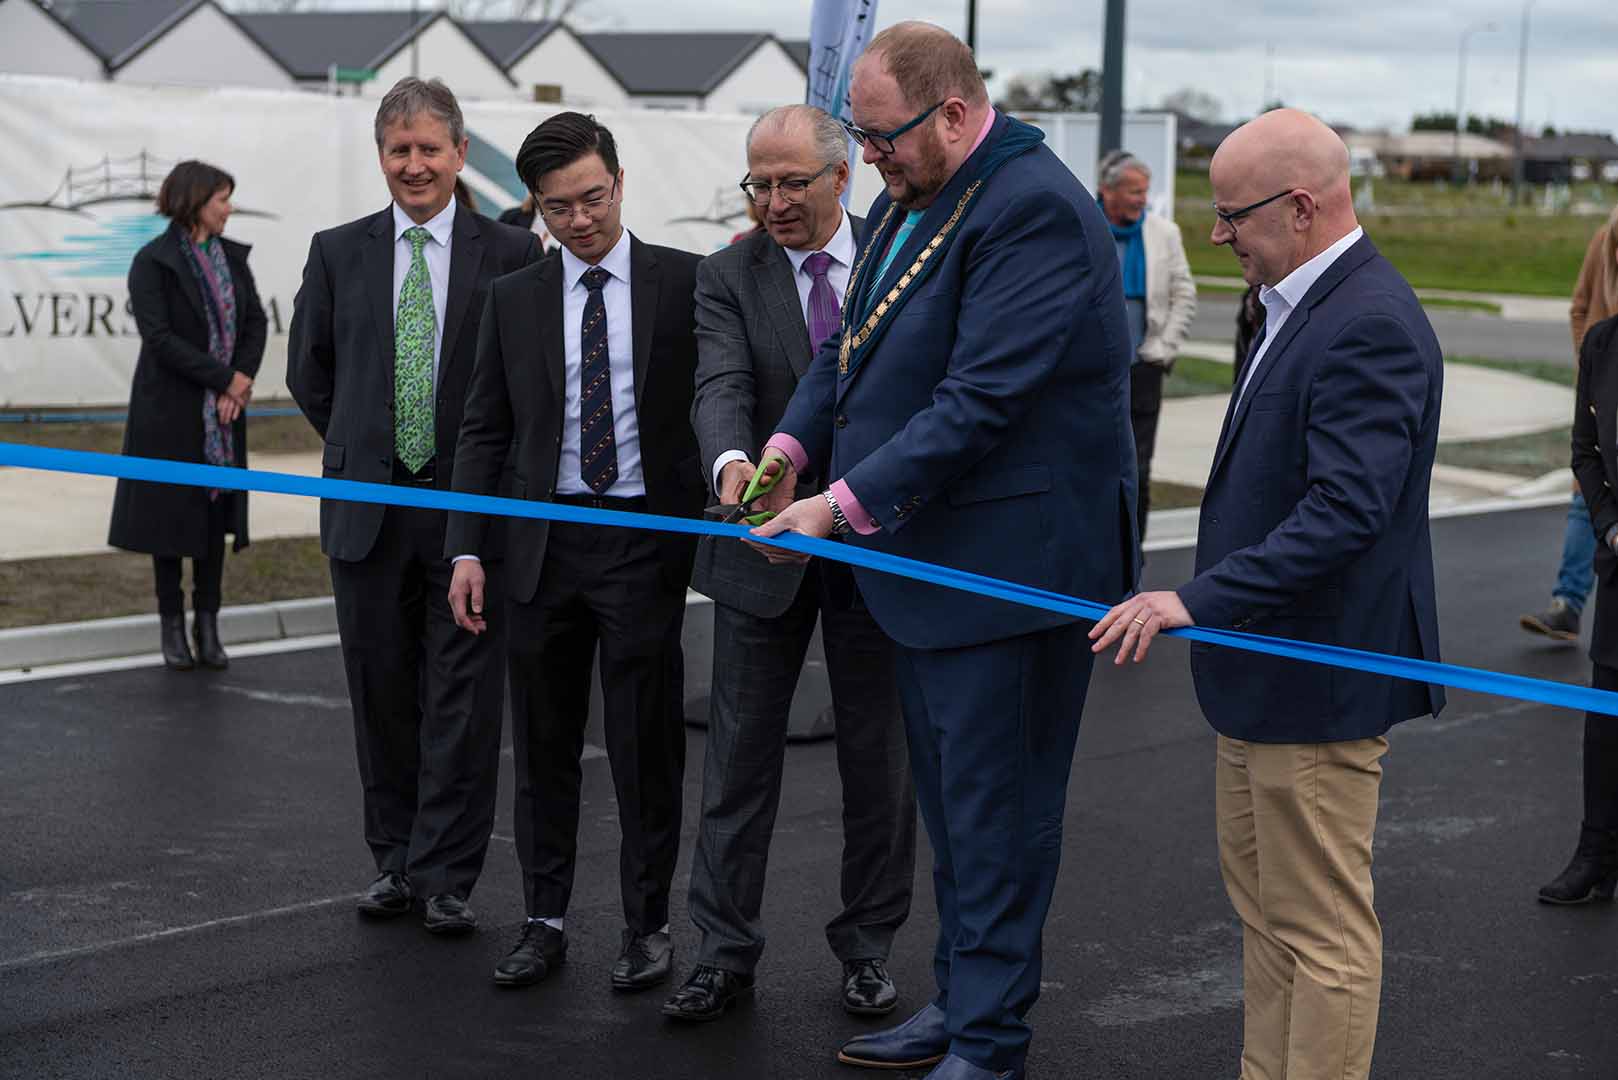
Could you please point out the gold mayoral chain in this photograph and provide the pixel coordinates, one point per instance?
(852, 340)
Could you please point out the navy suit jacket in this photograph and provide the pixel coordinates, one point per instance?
(1314, 520)
(989, 429)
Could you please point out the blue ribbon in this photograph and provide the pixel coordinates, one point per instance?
(228, 479)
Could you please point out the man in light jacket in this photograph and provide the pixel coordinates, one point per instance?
(1159, 293)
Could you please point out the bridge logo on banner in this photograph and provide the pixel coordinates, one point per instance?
(838, 31)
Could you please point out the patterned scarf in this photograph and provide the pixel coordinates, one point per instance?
(219, 301)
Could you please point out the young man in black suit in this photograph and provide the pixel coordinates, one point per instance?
(380, 352)
(584, 378)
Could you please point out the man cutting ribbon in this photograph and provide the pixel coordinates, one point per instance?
(973, 412)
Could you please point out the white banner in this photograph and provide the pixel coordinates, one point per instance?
(77, 198)
(838, 31)
(78, 190)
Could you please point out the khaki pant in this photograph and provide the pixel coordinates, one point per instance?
(1295, 829)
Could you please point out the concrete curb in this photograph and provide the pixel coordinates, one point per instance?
(129, 635)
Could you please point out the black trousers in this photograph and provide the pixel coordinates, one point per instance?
(1145, 406)
(1601, 759)
(207, 573)
(610, 589)
(427, 700)
(756, 666)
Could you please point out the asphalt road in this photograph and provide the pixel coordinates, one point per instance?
(1461, 333)
(178, 855)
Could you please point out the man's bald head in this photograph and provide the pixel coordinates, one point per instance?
(1296, 158)
(1287, 145)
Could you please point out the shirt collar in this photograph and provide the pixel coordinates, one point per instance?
(1291, 289)
(440, 227)
(840, 247)
(614, 262)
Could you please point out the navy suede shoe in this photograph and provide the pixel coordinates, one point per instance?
(917, 1043)
(958, 1068)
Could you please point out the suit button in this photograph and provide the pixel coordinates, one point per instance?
(842, 421)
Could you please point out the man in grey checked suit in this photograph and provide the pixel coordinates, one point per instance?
(763, 305)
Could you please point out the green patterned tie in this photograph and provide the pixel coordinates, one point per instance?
(414, 327)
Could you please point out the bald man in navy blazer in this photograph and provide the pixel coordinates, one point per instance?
(1313, 528)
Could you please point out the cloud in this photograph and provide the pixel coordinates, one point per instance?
(1373, 63)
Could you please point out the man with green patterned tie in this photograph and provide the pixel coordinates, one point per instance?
(384, 329)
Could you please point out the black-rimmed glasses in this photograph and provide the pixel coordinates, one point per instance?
(792, 190)
(882, 142)
(1231, 218)
(595, 209)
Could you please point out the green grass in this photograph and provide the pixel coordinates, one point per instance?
(1561, 374)
(1169, 496)
(1193, 375)
(75, 587)
(265, 435)
(1524, 455)
(1438, 239)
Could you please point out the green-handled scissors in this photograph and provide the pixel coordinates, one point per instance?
(757, 488)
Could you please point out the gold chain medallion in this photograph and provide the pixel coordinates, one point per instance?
(852, 340)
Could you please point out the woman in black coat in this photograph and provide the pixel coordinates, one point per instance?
(202, 332)
(1593, 873)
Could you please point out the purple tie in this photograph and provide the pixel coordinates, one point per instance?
(824, 313)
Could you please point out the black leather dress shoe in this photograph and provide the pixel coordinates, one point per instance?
(920, 1041)
(540, 950)
(1593, 873)
(448, 914)
(205, 629)
(176, 650)
(707, 993)
(868, 989)
(645, 961)
(389, 895)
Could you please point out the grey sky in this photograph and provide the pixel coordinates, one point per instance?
(1372, 63)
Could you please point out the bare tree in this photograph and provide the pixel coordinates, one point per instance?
(1197, 104)
(537, 10)
(1079, 92)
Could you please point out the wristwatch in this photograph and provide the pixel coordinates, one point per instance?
(839, 523)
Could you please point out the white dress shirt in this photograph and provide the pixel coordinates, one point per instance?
(841, 249)
(436, 253)
(1280, 302)
(621, 363)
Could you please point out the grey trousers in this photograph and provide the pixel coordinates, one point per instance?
(756, 667)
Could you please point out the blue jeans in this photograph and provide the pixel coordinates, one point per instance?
(1577, 575)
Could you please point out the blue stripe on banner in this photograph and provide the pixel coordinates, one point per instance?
(213, 476)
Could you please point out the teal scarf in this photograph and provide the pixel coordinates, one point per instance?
(1134, 255)
(864, 323)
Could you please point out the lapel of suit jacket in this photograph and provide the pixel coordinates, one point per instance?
(465, 262)
(1346, 263)
(773, 272)
(547, 314)
(378, 267)
(643, 284)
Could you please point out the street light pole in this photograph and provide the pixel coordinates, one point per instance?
(972, 26)
(1522, 93)
(1112, 80)
(1460, 98)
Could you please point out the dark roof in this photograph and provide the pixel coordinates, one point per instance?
(307, 43)
(507, 41)
(672, 63)
(115, 30)
(799, 51)
(1583, 146)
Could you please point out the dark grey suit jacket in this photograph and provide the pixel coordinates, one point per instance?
(752, 347)
(340, 354)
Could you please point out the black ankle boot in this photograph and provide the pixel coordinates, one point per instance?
(1593, 873)
(176, 653)
(205, 625)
